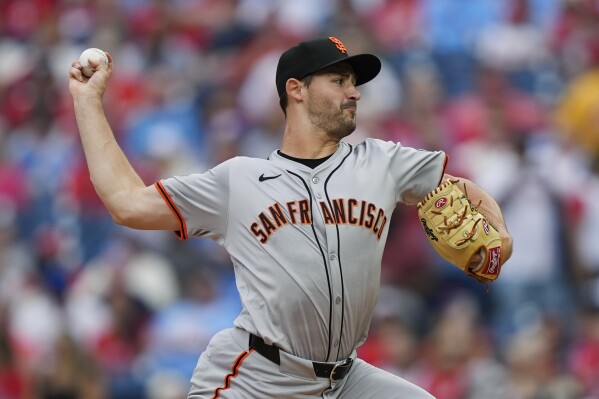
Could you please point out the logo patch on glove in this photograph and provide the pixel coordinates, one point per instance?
(441, 202)
(492, 267)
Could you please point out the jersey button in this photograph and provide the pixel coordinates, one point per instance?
(315, 180)
(338, 300)
(336, 344)
(318, 195)
(333, 256)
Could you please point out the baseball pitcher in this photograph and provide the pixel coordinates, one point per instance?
(305, 229)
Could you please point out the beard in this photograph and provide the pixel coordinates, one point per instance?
(332, 118)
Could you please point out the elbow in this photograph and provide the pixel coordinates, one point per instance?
(125, 219)
(122, 217)
(119, 218)
(111, 204)
(120, 206)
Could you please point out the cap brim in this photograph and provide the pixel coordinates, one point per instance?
(365, 66)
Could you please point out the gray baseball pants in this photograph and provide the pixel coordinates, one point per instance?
(229, 369)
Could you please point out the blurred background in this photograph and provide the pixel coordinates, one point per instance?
(508, 88)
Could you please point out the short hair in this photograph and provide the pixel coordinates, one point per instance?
(283, 100)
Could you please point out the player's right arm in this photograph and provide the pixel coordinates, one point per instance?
(130, 202)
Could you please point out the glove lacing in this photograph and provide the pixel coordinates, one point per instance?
(447, 227)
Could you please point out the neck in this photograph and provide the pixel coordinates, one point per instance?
(301, 146)
(304, 140)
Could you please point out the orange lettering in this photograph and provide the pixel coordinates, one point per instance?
(338, 44)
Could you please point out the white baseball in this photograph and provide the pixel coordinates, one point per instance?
(94, 54)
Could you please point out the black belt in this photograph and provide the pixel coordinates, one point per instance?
(334, 371)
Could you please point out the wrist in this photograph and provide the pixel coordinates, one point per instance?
(86, 101)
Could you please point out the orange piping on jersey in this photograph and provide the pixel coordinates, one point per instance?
(182, 233)
(234, 371)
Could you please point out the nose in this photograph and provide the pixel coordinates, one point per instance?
(353, 93)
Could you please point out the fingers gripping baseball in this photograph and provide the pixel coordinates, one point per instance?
(90, 80)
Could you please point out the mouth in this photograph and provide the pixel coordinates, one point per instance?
(351, 106)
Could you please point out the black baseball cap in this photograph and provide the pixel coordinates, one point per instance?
(312, 56)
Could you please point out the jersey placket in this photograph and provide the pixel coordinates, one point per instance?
(317, 186)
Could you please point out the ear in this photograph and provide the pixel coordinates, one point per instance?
(294, 89)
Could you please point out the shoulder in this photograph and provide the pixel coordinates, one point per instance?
(221, 171)
(241, 162)
(371, 144)
(391, 148)
(396, 156)
(373, 147)
(240, 168)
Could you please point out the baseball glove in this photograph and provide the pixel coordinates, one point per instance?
(458, 231)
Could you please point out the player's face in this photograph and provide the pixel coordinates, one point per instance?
(333, 101)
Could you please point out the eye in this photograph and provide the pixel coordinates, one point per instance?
(339, 81)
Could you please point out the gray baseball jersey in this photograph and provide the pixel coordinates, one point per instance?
(306, 244)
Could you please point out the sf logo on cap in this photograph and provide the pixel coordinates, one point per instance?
(338, 44)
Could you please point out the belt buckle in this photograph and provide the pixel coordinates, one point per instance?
(347, 362)
(332, 376)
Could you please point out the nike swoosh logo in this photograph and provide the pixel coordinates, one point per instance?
(264, 178)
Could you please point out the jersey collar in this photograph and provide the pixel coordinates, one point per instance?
(342, 151)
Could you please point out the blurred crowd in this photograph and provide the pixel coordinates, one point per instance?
(508, 88)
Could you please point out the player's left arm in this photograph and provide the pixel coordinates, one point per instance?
(488, 207)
